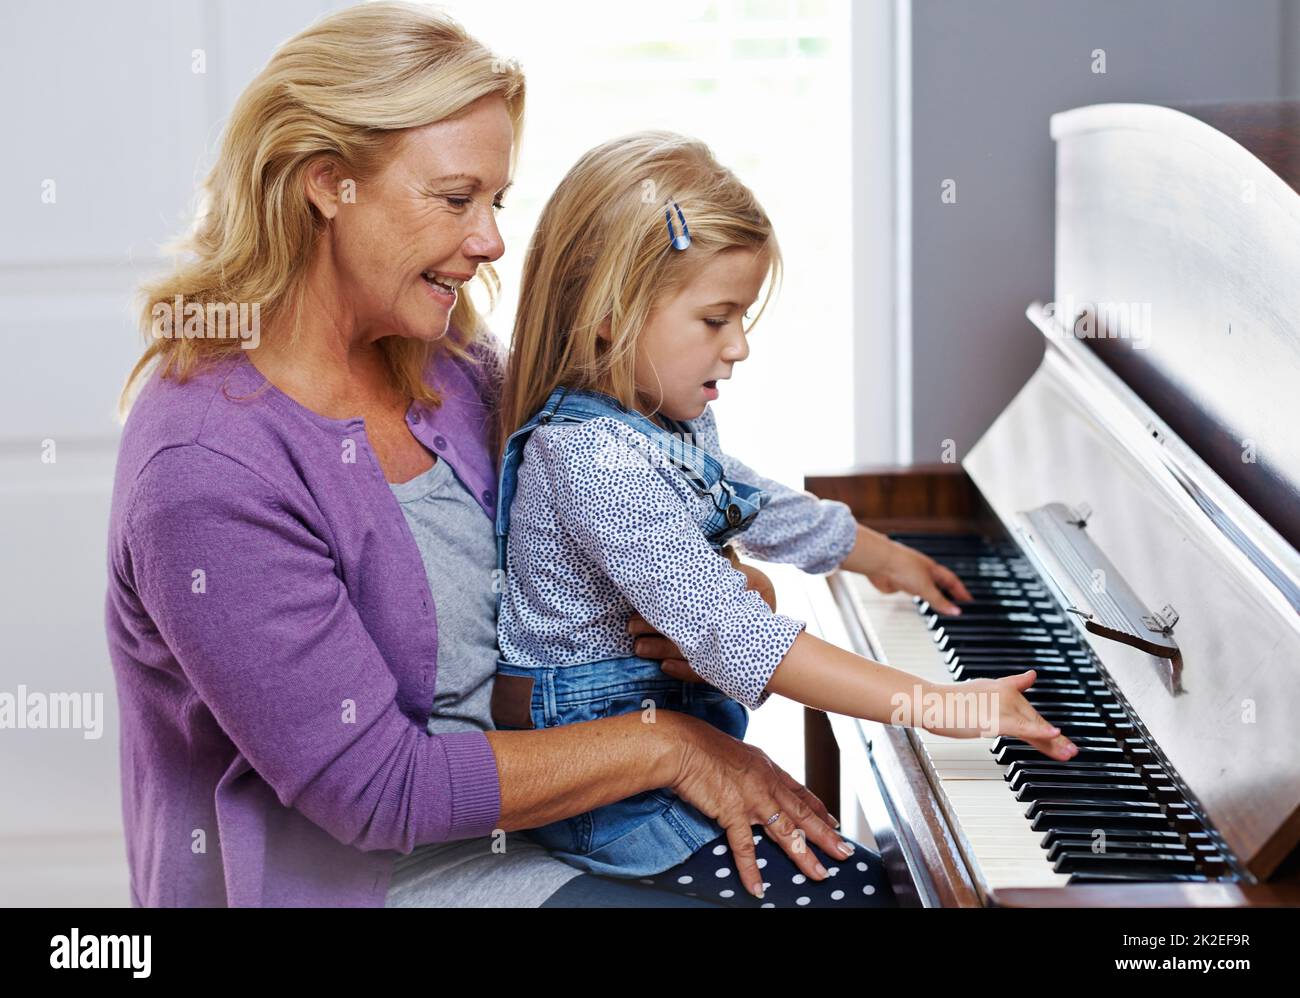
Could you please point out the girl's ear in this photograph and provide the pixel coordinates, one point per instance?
(603, 330)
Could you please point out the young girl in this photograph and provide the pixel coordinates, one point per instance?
(615, 495)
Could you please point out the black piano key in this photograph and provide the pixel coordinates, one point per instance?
(1013, 618)
(999, 656)
(1084, 742)
(1083, 780)
(987, 625)
(1150, 864)
(1051, 689)
(978, 639)
(1054, 693)
(1061, 818)
(1031, 790)
(1207, 860)
(1079, 715)
(951, 543)
(1110, 835)
(979, 608)
(1099, 877)
(1086, 804)
(969, 671)
(1072, 769)
(1025, 751)
(1008, 643)
(1062, 846)
(1010, 655)
(1083, 728)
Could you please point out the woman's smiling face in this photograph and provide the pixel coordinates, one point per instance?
(430, 213)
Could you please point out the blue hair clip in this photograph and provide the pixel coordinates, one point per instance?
(676, 241)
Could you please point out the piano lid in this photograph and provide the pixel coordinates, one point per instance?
(1161, 425)
(1114, 518)
(1178, 237)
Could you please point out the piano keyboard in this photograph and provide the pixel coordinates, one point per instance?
(1110, 813)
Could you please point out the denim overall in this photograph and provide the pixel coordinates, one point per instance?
(655, 830)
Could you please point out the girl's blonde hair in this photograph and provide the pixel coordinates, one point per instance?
(344, 88)
(601, 252)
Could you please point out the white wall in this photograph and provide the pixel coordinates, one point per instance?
(102, 100)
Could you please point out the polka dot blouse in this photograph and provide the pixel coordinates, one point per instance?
(602, 524)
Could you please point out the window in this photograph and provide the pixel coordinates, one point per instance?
(766, 84)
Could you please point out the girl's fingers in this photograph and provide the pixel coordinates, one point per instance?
(1060, 747)
(932, 595)
(949, 580)
(1024, 680)
(1030, 726)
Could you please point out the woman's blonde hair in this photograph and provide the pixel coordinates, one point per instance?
(601, 252)
(345, 88)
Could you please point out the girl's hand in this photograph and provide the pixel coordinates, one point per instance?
(738, 786)
(1000, 708)
(651, 644)
(911, 571)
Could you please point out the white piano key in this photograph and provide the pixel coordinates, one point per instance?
(1007, 852)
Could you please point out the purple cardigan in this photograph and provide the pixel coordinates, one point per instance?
(275, 644)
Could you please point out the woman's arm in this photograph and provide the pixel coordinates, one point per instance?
(558, 772)
(249, 602)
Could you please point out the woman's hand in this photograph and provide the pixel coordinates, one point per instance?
(911, 571)
(738, 786)
(1000, 708)
(651, 644)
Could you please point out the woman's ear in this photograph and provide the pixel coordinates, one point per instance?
(321, 184)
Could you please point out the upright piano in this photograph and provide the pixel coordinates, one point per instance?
(1128, 527)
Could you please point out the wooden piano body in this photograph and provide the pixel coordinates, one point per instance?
(1164, 414)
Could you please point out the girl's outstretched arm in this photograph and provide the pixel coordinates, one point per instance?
(827, 677)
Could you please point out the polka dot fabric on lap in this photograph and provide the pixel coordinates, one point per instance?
(855, 882)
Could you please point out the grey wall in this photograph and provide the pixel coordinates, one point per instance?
(984, 79)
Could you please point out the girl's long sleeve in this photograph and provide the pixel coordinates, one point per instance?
(795, 527)
(623, 508)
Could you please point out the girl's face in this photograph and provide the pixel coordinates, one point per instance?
(692, 340)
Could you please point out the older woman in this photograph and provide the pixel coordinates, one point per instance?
(301, 601)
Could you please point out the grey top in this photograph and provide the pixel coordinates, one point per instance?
(458, 547)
